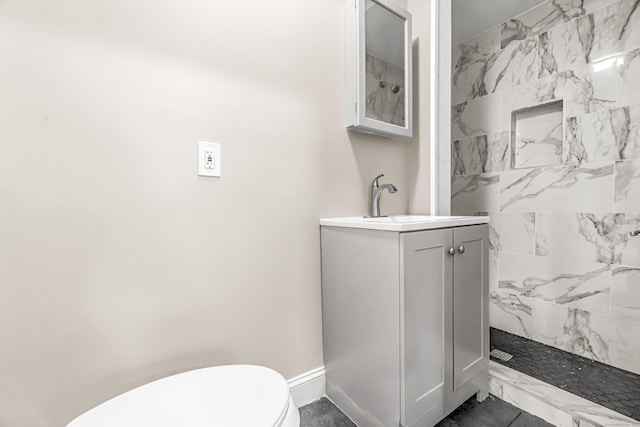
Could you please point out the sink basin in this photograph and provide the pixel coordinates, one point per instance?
(404, 222)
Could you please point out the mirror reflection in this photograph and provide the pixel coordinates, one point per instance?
(385, 64)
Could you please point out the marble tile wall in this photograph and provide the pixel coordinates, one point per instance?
(562, 199)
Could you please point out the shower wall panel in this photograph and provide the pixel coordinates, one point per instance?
(564, 269)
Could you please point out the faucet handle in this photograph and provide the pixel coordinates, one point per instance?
(374, 183)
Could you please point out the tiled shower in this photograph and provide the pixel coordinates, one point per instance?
(546, 141)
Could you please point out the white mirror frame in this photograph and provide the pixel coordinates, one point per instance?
(356, 72)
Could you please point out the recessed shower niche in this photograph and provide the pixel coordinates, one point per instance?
(536, 136)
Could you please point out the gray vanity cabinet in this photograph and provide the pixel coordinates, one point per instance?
(470, 304)
(405, 322)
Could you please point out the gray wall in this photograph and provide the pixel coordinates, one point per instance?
(563, 189)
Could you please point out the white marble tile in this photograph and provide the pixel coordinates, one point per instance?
(625, 292)
(557, 189)
(550, 403)
(573, 151)
(568, 329)
(517, 393)
(562, 48)
(588, 237)
(628, 79)
(475, 193)
(467, 82)
(621, 338)
(617, 420)
(589, 138)
(493, 270)
(586, 90)
(592, 137)
(571, 45)
(534, 21)
(515, 65)
(499, 152)
(570, 8)
(477, 48)
(511, 312)
(549, 242)
(627, 190)
(582, 90)
(526, 96)
(575, 8)
(479, 154)
(512, 66)
(604, 87)
(479, 116)
(538, 136)
(512, 231)
(627, 250)
(547, 16)
(593, 5)
(614, 29)
(606, 135)
(516, 388)
(571, 283)
(607, 339)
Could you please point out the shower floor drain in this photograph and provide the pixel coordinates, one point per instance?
(499, 354)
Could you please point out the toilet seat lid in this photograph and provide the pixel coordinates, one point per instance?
(232, 395)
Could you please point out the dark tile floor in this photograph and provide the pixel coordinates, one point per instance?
(610, 387)
(493, 412)
(323, 413)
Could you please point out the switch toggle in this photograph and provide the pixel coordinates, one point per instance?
(208, 158)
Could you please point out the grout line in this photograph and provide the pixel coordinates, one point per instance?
(514, 420)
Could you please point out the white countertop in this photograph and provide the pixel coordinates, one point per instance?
(404, 222)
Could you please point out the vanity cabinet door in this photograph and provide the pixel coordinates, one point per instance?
(470, 303)
(426, 274)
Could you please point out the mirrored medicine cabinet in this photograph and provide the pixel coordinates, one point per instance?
(378, 68)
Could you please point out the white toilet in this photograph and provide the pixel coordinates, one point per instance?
(225, 396)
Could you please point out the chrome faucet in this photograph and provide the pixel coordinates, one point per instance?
(376, 191)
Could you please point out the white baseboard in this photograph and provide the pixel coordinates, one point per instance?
(307, 387)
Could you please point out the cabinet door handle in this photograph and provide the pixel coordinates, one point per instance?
(461, 249)
(452, 251)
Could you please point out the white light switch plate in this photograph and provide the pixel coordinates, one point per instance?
(208, 158)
